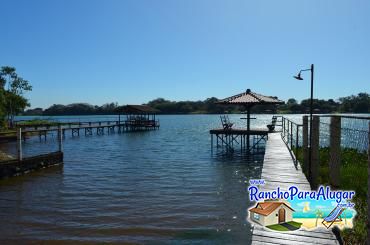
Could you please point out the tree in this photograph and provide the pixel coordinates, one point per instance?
(12, 88)
(355, 103)
(2, 103)
(291, 101)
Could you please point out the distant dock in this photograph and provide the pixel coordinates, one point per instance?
(86, 128)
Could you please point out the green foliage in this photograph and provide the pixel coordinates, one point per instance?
(355, 104)
(187, 107)
(278, 227)
(5, 157)
(37, 122)
(12, 88)
(75, 109)
(2, 109)
(208, 106)
(352, 104)
(295, 224)
(353, 176)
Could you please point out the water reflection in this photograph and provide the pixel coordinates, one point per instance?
(158, 186)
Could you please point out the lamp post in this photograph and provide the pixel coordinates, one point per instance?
(298, 77)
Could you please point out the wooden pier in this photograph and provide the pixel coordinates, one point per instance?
(239, 138)
(279, 169)
(86, 128)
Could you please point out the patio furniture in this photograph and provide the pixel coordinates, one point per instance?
(271, 126)
(226, 124)
(334, 216)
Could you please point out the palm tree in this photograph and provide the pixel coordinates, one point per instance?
(319, 214)
(345, 216)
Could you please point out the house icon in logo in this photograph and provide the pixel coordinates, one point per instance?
(271, 212)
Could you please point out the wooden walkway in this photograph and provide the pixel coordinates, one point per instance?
(279, 170)
(85, 127)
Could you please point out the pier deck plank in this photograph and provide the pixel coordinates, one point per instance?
(279, 170)
(239, 131)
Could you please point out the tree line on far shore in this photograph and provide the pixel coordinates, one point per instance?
(359, 103)
(13, 87)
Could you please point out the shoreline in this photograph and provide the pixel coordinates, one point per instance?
(310, 223)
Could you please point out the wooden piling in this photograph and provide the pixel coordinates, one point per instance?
(60, 138)
(334, 163)
(291, 135)
(305, 144)
(19, 144)
(296, 144)
(315, 159)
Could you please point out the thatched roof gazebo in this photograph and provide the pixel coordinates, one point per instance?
(248, 99)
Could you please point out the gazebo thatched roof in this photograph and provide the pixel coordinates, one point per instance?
(249, 98)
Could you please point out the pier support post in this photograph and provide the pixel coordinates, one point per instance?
(248, 125)
(19, 144)
(305, 144)
(315, 159)
(296, 144)
(291, 135)
(60, 138)
(334, 163)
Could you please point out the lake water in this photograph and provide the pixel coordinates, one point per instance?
(163, 186)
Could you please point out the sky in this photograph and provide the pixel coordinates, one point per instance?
(133, 51)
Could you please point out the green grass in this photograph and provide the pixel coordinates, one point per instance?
(295, 224)
(353, 176)
(279, 227)
(5, 131)
(5, 157)
(37, 122)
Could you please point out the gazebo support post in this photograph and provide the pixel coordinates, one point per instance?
(248, 99)
(248, 124)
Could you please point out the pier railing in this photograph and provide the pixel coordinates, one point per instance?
(339, 157)
(291, 132)
(340, 145)
(24, 156)
(338, 142)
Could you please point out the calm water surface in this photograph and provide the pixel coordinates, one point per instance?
(161, 186)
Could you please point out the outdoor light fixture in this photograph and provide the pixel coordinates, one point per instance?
(298, 77)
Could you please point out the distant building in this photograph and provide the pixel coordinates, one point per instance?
(271, 213)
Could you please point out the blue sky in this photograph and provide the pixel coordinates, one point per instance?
(326, 206)
(133, 51)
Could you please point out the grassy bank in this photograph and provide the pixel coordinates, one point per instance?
(353, 176)
(28, 123)
(37, 123)
(5, 157)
